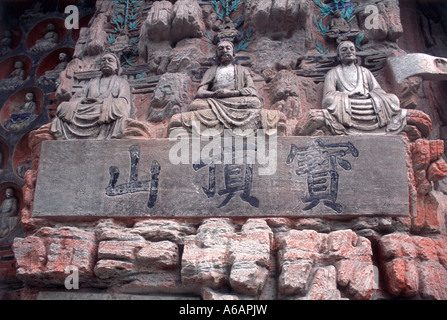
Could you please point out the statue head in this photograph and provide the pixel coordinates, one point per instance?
(225, 52)
(51, 27)
(9, 192)
(346, 52)
(18, 64)
(337, 13)
(63, 56)
(29, 96)
(110, 64)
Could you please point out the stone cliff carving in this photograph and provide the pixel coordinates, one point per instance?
(354, 102)
(48, 41)
(6, 42)
(24, 115)
(100, 110)
(227, 99)
(340, 29)
(170, 96)
(51, 76)
(338, 23)
(15, 78)
(226, 30)
(9, 210)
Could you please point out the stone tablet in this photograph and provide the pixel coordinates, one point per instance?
(263, 176)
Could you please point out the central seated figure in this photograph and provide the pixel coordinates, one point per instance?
(227, 99)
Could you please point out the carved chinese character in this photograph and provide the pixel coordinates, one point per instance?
(134, 185)
(320, 164)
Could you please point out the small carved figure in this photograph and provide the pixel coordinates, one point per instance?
(227, 98)
(354, 102)
(339, 24)
(49, 40)
(23, 168)
(33, 14)
(6, 42)
(9, 210)
(98, 112)
(340, 29)
(25, 114)
(51, 76)
(15, 78)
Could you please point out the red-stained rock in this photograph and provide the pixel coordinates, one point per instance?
(249, 254)
(303, 252)
(421, 120)
(324, 285)
(433, 279)
(160, 255)
(160, 230)
(205, 255)
(441, 248)
(119, 250)
(45, 256)
(427, 219)
(125, 255)
(114, 269)
(425, 247)
(397, 245)
(428, 166)
(294, 276)
(402, 277)
(411, 266)
(30, 255)
(437, 170)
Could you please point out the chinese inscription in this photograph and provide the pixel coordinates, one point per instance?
(134, 185)
(314, 176)
(238, 177)
(320, 163)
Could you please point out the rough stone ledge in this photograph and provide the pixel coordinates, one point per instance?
(219, 258)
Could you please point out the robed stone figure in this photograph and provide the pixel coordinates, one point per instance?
(8, 213)
(227, 99)
(100, 111)
(354, 102)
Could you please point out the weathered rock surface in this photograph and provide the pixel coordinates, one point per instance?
(428, 166)
(51, 251)
(187, 21)
(218, 260)
(250, 257)
(174, 22)
(204, 260)
(387, 24)
(414, 265)
(157, 26)
(277, 15)
(304, 254)
(171, 96)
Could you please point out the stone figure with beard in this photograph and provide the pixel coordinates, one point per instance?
(100, 111)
